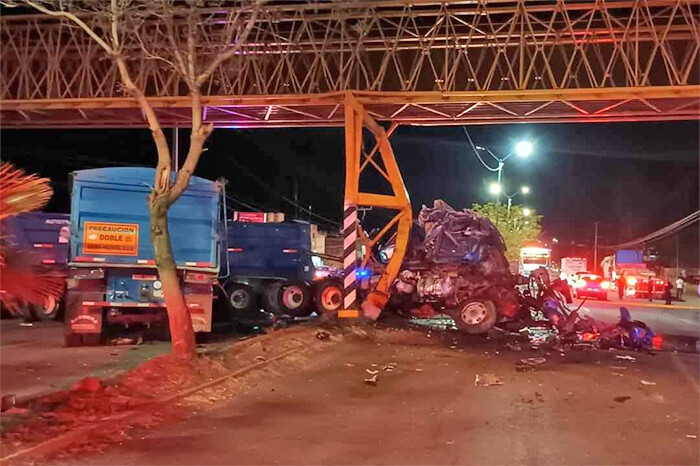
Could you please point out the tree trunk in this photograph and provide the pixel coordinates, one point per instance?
(181, 331)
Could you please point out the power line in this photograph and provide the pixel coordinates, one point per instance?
(282, 196)
(661, 233)
(486, 166)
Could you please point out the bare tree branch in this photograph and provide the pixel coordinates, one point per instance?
(70, 16)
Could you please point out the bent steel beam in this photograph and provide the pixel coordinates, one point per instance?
(357, 117)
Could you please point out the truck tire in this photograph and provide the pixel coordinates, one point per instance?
(295, 299)
(475, 316)
(241, 298)
(271, 298)
(47, 311)
(328, 296)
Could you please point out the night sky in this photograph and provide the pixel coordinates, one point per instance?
(631, 177)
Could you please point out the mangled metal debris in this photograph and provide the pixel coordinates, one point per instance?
(455, 266)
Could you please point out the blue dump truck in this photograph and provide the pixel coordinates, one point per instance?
(112, 280)
(39, 239)
(270, 265)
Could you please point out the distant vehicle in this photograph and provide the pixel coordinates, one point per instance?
(639, 284)
(570, 266)
(590, 285)
(532, 258)
(41, 239)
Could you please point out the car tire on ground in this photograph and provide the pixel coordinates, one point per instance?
(476, 316)
(241, 299)
(328, 296)
(295, 299)
(271, 298)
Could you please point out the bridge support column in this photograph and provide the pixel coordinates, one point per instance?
(356, 161)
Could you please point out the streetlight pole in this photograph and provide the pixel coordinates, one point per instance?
(523, 189)
(522, 149)
(595, 249)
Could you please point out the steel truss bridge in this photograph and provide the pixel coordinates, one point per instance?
(362, 63)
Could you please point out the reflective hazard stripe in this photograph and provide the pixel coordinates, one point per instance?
(350, 307)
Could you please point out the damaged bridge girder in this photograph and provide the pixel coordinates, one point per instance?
(357, 118)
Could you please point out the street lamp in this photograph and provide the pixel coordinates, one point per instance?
(523, 189)
(522, 149)
(526, 212)
(495, 188)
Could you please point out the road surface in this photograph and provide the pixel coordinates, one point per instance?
(679, 319)
(582, 408)
(33, 360)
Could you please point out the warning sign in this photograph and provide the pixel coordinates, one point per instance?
(115, 239)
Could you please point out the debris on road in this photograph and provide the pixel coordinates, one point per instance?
(691, 436)
(618, 374)
(514, 346)
(26, 324)
(618, 368)
(372, 380)
(647, 382)
(123, 341)
(622, 399)
(322, 335)
(485, 380)
(533, 361)
(371, 372)
(625, 357)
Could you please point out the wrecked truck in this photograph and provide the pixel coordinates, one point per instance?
(455, 265)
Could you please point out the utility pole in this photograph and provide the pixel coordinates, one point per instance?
(296, 198)
(595, 249)
(678, 268)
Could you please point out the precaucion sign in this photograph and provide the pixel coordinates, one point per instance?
(115, 239)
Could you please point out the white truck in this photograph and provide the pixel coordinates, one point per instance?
(572, 265)
(532, 258)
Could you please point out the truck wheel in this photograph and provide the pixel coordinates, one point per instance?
(241, 298)
(271, 298)
(328, 296)
(295, 298)
(48, 310)
(476, 316)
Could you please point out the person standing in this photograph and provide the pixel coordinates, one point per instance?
(621, 284)
(667, 293)
(650, 287)
(680, 284)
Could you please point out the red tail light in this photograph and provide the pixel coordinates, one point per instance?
(657, 342)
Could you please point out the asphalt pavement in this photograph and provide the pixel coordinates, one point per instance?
(582, 408)
(680, 319)
(34, 361)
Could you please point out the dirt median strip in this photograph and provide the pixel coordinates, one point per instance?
(68, 438)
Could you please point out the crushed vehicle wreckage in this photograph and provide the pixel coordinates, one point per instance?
(456, 266)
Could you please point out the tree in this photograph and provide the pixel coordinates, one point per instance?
(173, 32)
(517, 228)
